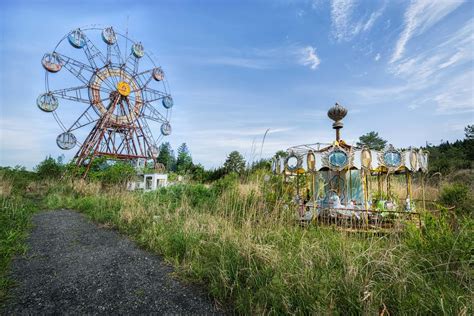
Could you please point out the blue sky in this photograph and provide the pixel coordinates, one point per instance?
(237, 68)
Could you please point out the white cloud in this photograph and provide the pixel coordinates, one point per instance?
(377, 57)
(373, 17)
(420, 16)
(427, 66)
(309, 57)
(341, 11)
(344, 29)
(457, 95)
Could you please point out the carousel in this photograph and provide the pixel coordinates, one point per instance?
(353, 187)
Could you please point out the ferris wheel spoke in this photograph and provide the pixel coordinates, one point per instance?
(75, 94)
(149, 112)
(150, 95)
(86, 118)
(76, 68)
(143, 78)
(131, 64)
(147, 132)
(79, 64)
(114, 51)
(106, 81)
(93, 53)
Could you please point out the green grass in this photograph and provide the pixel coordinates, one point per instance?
(243, 246)
(15, 216)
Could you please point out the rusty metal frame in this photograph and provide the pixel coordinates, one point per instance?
(120, 131)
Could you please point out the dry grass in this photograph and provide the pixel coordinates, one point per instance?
(246, 249)
(6, 186)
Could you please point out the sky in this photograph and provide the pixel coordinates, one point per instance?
(237, 68)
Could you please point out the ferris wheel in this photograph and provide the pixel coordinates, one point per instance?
(104, 89)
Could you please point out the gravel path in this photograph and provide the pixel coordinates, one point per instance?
(75, 267)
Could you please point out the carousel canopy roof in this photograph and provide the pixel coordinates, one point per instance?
(340, 156)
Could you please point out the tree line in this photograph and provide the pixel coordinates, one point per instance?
(445, 158)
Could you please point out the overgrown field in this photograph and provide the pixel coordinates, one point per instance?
(238, 240)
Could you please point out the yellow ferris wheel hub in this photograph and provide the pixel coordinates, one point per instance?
(123, 88)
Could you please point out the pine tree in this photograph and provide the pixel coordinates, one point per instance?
(235, 162)
(372, 140)
(184, 162)
(166, 156)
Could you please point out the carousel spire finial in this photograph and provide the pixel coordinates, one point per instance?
(337, 113)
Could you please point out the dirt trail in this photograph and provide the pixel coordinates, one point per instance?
(75, 267)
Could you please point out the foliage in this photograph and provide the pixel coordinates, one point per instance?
(235, 162)
(198, 173)
(459, 196)
(166, 157)
(469, 132)
(228, 182)
(50, 168)
(215, 174)
(281, 154)
(372, 140)
(184, 162)
(118, 173)
(449, 157)
(238, 240)
(264, 164)
(15, 181)
(15, 215)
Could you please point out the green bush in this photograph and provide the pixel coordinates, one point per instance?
(228, 182)
(50, 168)
(459, 196)
(118, 173)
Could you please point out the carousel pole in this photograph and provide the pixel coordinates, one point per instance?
(408, 177)
(313, 185)
(389, 194)
(423, 190)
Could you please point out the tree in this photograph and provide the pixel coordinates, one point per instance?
(198, 173)
(117, 173)
(184, 162)
(281, 154)
(469, 132)
(166, 156)
(265, 164)
(235, 162)
(372, 140)
(50, 168)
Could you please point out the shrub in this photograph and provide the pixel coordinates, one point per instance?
(50, 168)
(459, 196)
(228, 182)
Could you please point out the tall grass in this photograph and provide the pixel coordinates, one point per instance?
(243, 245)
(15, 215)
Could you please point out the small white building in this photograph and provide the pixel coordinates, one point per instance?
(149, 182)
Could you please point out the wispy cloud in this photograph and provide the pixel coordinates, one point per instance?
(456, 96)
(377, 57)
(373, 17)
(309, 57)
(260, 58)
(341, 11)
(427, 65)
(420, 16)
(343, 24)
